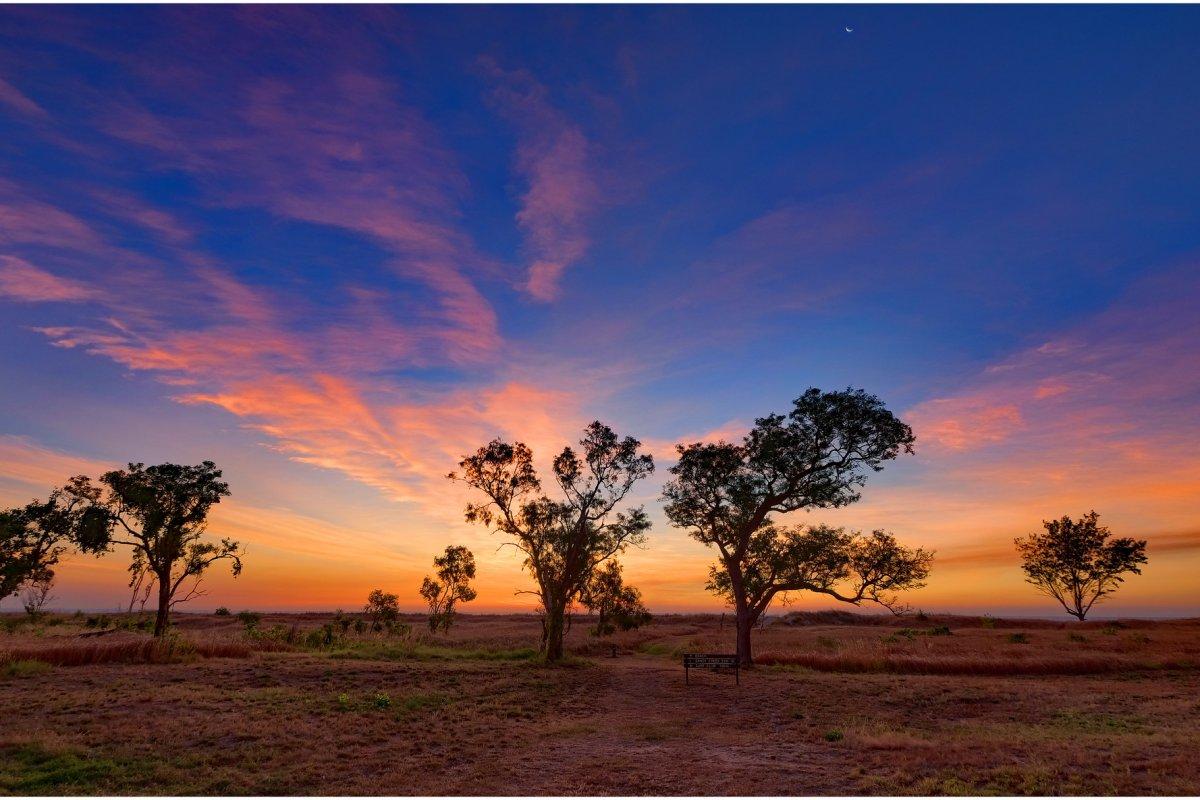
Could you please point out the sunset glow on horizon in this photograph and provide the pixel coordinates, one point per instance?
(334, 250)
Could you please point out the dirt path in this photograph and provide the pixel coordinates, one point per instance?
(643, 731)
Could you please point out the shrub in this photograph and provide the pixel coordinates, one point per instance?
(833, 736)
(1111, 628)
(1018, 638)
(343, 701)
(381, 700)
(940, 630)
(1076, 637)
(250, 619)
(222, 612)
(987, 621)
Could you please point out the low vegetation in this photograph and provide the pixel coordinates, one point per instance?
(859, 704)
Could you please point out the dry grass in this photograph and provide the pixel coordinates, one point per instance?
(946, 665)
(881, 706)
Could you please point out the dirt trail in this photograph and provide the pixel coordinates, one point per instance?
(643, 731)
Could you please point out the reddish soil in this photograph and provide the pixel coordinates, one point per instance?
(377, 717)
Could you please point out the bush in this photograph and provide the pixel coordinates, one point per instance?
(381, 700)
(250, 619)
(222, 612)
(1076, 637)
(940, 630)
(833, 736)
(1018, 638)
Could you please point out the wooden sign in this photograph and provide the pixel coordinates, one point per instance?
(711, 661)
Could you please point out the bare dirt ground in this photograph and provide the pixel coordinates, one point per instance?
(473, 713)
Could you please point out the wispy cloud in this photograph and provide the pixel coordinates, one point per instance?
(23, 282)
(555, 164)
(15, 99)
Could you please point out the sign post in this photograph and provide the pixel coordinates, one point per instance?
(711, 661)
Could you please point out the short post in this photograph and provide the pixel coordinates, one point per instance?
(614, 651)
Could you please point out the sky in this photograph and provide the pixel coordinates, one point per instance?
(336, 249)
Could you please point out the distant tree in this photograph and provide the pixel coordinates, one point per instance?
(161, 512)
(563, 541)
(617, 605)
(1078, 563)
(35, 594)
(455, 571)
(383, 609)
(816, 456)
(34, 537)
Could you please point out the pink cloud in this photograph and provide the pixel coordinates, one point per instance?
(12, 97)
(554, 160)
(965, 423)
(23, 282)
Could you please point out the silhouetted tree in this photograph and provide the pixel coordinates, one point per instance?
(563, 541)
(848, 566)
(816, 456)
(35, 594)
(383, 609)
(617, 605)
(34, 537)
(455, 571)
(1078, 563)
(161, 512)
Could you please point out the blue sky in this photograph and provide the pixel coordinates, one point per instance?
(333, 248)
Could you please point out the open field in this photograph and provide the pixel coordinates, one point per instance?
(840, 705)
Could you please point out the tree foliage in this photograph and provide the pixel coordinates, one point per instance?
(818, 455)
(847, 566)
(161, 512)
(383, 609)
(455, 570)
(617, 605)
(563, 541)
(34, 537)
(1078, 563)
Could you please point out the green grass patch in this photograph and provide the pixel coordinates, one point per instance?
(30, 769)
(23, 669)
(404, 651)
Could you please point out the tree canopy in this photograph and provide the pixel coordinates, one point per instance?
(563, 541)
(818, 455)
(455, 569)
(1078, 563)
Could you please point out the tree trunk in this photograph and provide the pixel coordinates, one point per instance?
(164, 605)
(552, 643)
(745, 622)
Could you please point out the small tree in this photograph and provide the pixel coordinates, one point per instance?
(161, 512)
(816, 456)
(617, 605)
(563, 541)
(455, 571)
(1078, 563)
(35, 594)
(383, 609)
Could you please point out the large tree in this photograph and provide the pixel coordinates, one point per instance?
(34, 537)
(161, 512)
(816, 456)
(1078, 563)
(563, 541)
(455, 570)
